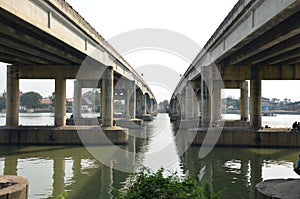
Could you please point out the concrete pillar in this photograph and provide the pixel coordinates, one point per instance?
(197, 91)
(151, 110)
(182, 104)
(216, 103)
(144, 105)
(205, 104)
(60, 102)
(255, 103)
(172, 107)
(178, 106)
(244, 102)
(189, 101)
(77, 101)
(12, 97)
(139, 97)
(107, 97)
(132, 99)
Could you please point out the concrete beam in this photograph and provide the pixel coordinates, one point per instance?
(47, 71)
(242, 73)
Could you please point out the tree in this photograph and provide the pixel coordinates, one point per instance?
(31, 100)
(163, 106)
(2, 103)
(52, 98)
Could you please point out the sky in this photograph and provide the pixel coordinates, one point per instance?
(196, 20)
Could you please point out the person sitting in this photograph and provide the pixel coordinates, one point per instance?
(295, 125)
(297, 169)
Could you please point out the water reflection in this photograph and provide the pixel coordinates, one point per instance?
(238, 170)
(54, 169)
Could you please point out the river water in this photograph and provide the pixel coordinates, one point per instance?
(54, 169)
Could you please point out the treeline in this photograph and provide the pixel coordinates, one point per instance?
(28, 100)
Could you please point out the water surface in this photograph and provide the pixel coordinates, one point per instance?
(54, 169)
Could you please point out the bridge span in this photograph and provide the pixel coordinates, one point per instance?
(48, 39)
(258, 40)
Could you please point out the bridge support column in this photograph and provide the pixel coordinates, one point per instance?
(60, 101)
(12, 98)
(216, 102)
(175, 110)
(189, 101)
(130, 120)
(139, 104)
(255, 103)
(205, 104)
(189, 111)
(107, 97)
(145, 109)
(151, 109)
(144, 105)
(132, 99)
(77, 102)
(244, 102)
(197, 91)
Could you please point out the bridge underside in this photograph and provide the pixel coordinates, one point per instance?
(278, 46)
(23, 44)
(258, 40)
(50, 40)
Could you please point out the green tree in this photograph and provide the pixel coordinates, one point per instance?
(31, 100)
(52, 98)
(2, 103)
(164, 106)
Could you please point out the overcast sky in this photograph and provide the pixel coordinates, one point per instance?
(195, 19)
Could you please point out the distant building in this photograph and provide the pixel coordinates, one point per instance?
(295, 106)
(46, 101)
(266, 104)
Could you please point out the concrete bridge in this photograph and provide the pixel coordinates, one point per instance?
(48, 39)
(258, 40)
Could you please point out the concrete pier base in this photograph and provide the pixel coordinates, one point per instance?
(13, 187)
(188, 124)
(234, 123)
(239, 136)
(117, 135)
(67, 135)
(175, 118)
(278, 188)
(129, 123)
(147, 117)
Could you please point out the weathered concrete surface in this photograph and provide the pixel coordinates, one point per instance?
(250, 137)
(129, 123)
(147, 117)
(278, 188)
(17, 187)
(73, 135)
